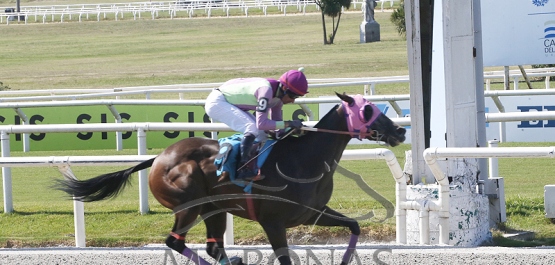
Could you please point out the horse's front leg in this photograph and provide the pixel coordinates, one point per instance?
(276, 233)
(329, 217)
(215, 229)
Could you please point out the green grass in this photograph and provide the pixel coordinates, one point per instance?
(524, 193)
(110, 54)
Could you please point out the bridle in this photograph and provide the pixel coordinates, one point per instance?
(357, 125)
(354, 113)
(373, 134)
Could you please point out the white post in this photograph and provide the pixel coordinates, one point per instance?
(412, 18)
(400, 212)
(143, 176)
(78, 211)
(502, 132)
(493, 162)
(6, 174)
(494, 188)
(119, 140)
(24, 121)
(228, 235)
(444, 214)
(79, 223)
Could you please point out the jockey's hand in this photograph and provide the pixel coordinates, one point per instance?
(273, 134)
(295, 124)
(278, 134)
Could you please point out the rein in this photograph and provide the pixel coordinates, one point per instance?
(312, 129)
(265, 149)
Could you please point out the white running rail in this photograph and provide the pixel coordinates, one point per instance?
(63, 164)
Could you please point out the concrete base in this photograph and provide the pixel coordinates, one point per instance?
(369, 32)
(469, 215)
(549, 201)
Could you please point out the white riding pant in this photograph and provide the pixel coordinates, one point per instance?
(220, 110)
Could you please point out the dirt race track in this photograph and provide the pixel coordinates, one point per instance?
(318, 255)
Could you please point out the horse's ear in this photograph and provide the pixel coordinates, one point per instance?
(346, 98)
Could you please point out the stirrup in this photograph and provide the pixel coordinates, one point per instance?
(249, 175)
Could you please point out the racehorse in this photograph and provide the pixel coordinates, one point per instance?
(297, 186)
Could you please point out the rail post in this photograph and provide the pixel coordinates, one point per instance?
(6, 174)
(143, 176)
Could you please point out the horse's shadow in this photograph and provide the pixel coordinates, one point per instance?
(91, 213)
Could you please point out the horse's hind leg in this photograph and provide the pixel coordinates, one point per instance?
(176, 239)
(332, 218)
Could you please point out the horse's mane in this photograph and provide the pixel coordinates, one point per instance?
(326, 117)
(321, 123)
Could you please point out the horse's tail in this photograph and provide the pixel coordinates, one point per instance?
(101, 187)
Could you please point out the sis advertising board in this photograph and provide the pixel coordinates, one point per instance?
(518, 32)
(107, 140)
(521, 131)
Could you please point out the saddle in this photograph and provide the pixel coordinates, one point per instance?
(229, 156)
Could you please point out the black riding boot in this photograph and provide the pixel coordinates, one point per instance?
(246, 173)
(246, 146)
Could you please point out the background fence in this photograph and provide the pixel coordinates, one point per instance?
(63, 163)
(153, 10)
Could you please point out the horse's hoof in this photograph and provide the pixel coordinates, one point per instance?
(236, 261)
(224, 176)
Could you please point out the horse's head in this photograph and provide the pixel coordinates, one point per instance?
(365, 120)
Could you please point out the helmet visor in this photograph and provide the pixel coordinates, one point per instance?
(291, 94)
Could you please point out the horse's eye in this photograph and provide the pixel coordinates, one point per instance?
(368, 111)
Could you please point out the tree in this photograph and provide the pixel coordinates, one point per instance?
(398, 19)
(331, 8)
(3, 87)
(545, 66)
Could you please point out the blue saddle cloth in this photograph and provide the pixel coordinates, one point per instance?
(229, 156)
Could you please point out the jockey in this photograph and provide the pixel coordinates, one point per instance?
(232, 101)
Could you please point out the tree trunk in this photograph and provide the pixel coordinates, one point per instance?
(324, 26)
(335, 27)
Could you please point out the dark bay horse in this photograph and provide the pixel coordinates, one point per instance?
(297, 187)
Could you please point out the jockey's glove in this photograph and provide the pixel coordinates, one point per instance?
(295, 124)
